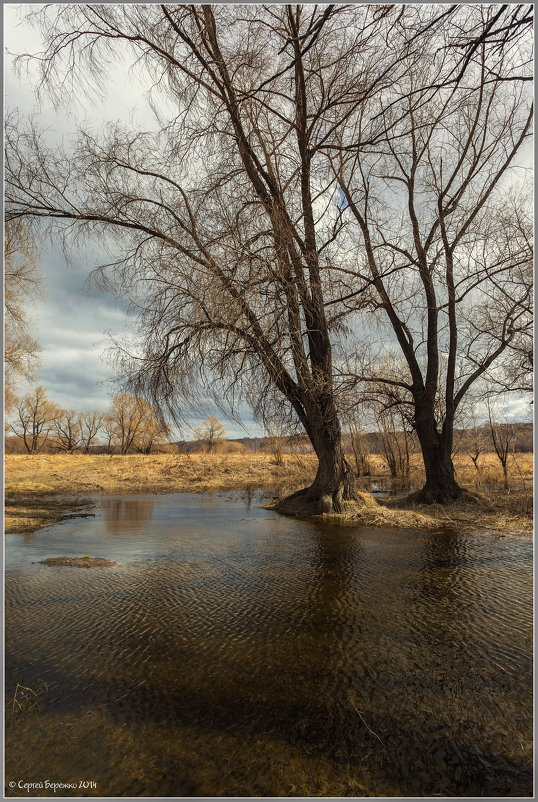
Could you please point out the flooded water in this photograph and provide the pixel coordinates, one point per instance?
(234, 652)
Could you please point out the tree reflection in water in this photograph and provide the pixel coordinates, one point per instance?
(123, 513)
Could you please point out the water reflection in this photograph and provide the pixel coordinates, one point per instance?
(123, 513)
(233, 652)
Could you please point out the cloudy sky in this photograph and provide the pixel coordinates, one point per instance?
(73, 322)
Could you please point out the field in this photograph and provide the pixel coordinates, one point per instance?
(41, 489)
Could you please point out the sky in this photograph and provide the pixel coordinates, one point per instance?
(72, 322)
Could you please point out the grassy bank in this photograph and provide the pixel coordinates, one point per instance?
(42, 489)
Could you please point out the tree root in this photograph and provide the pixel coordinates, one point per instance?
(304, 503)
(425, 496)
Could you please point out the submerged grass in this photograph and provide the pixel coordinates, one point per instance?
(144, 760)
(79, 562)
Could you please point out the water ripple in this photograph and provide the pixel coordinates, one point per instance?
(395, 663)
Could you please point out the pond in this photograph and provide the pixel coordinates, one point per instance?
(234, 652)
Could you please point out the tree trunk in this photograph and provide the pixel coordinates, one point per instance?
(441, 485)
(334, 481)
(505, 474)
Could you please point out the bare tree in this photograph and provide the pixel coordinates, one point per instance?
(228, 212)
(395, 443)
(152, 432)
(502, 29)
(22, 284)
(134, 425)
(36, 416)
(477, 443)
(503, 436)
(353, 414)
(210, 432)
(91, 423)
(67, 430)
(232, 218)
(433, 210)
(125, 420)
(474, 437)
(109, 428)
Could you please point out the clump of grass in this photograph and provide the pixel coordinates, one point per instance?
(27, 700)
(79, 562)
(372, 514)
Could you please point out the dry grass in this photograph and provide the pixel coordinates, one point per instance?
(77, 474)
(378, 515)
(489, 475)
(43, 489)
(497, 510)
(27, 513)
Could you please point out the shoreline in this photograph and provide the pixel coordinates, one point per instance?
(25, 514)
(42, 490)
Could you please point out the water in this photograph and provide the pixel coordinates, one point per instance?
(234, 652)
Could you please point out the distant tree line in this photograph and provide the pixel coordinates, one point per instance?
(130, 425)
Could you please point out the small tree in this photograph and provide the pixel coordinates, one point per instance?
(133, 425)
(152, 432)
(67, 430)
(126, 416)
(91, 423)
(210, 433)
(36, 417)
(358, 440)
(477, 442)
(503, 436)
(395, 442)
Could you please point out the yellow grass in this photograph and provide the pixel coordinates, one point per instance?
(78, 474)
(489, 475)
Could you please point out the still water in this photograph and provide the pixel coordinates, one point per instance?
(234, 652)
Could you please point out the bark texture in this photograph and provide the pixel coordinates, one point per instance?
(334, 481)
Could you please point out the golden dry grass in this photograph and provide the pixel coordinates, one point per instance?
(77, 474)
(489, 475)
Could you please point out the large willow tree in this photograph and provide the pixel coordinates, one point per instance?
(231, 214)
(227, 216)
